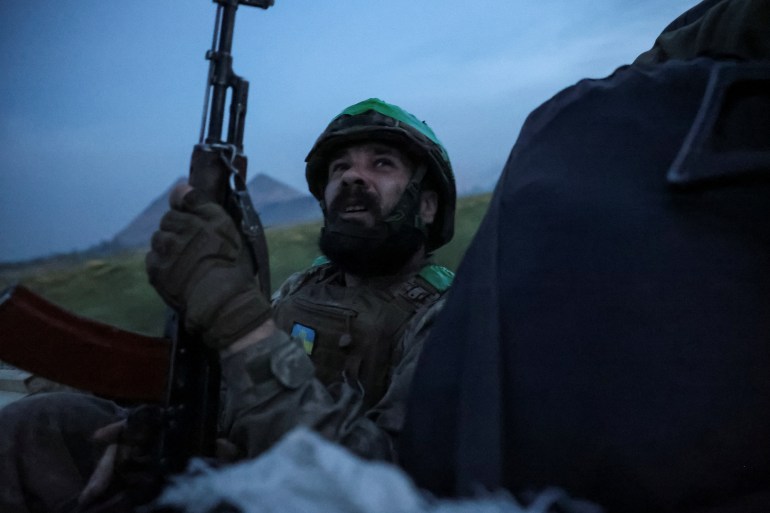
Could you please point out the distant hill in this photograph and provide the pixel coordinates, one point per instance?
(281, 205)
(113, 287)
(138, 232)
(277, 203)
(265, 190)
(293, 211)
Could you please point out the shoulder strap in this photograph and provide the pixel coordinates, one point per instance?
(425, 287)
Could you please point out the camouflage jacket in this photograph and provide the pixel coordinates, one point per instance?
(273, 385)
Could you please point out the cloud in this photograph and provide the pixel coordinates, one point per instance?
(101, 107)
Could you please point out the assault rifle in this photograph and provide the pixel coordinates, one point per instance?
(38, 336)
(218, 168)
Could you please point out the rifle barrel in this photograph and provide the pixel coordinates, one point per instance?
(221, 78)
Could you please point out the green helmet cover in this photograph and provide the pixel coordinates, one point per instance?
(397, 113)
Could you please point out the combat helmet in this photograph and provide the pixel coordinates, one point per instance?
(374, 119)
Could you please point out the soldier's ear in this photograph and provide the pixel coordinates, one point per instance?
(428, 206)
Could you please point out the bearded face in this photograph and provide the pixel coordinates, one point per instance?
(370, 210)
(356, 205)
(381, 249)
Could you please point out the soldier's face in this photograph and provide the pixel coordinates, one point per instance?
(366, 181)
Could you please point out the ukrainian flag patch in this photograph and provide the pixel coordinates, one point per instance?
(305, 334)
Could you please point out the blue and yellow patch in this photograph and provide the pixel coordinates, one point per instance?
(305, 334)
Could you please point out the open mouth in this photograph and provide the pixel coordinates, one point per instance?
(354, 206)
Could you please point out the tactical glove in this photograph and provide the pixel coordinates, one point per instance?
(200, 267)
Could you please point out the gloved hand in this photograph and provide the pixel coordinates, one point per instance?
(200, 267)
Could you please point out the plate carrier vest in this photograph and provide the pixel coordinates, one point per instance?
(352, 334)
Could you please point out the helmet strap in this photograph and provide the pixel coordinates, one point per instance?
(407, 210)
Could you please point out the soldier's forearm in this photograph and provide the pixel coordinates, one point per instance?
(262, 332)
(271, 389)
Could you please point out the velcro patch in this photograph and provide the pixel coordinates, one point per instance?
(304, 333)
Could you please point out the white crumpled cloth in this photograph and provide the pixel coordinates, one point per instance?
(306, 473)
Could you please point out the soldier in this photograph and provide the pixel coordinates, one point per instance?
(337, 347)
(619, 344)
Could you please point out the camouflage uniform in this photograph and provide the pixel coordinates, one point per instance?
(273, 388)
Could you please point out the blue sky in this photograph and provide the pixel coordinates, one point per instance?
(101, 101)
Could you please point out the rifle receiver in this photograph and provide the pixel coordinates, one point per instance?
(218, 169)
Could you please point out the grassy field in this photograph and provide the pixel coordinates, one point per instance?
(114, 290)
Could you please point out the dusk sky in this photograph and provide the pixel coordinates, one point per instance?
(101, 101)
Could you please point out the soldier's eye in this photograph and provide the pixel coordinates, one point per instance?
(338, 167)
